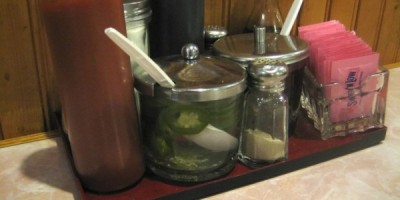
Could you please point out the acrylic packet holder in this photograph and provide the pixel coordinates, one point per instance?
(314, 101)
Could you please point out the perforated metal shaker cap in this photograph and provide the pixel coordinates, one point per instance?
(267, 73)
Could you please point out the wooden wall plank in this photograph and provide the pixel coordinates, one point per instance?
(398, 55)
(48, 86)
(216, 12)
(29, 138)
(284, 7)
(20, 100)
(389, 37)
(239, 13)
(313, 11)
(1, 132)
(369, 20)
(344, 11)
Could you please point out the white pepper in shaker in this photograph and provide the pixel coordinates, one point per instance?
(264, 134)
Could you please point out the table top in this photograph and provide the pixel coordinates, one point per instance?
(41, 170)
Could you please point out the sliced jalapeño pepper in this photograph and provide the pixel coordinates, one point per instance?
(160, 146)
(185, 119)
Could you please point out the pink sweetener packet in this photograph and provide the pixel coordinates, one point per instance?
(327, 63)
(350, 73)
(331, 47)
(316, 36)
(319, 26)
(320, 33)
(326, 55)
(332, 40)
(322, 40)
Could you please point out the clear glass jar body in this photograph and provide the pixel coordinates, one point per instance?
(185, 154)
(264, 135)
(265, 13)
(95, 83)
(137, 32)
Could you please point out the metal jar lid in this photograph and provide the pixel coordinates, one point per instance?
(136, 10)
(197, 78)
(214, 32)
(243, 48)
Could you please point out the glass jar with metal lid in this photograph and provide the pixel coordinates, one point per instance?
(245, 48)
(191, 131)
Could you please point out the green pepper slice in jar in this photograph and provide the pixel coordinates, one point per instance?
(160, 146)
(185, 119)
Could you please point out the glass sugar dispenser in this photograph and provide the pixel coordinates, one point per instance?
(264, 135)
(137, 15)
(245, 48)
(265, 13)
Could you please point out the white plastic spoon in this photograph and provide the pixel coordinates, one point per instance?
(214, 139)
(140, 58)
(291, 17)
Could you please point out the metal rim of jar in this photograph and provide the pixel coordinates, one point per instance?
(202, 94)
(190, 57)
(136, 10)
(139, 16)
(289, 58)
(148, 87)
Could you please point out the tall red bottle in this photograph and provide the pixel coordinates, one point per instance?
(97, 92)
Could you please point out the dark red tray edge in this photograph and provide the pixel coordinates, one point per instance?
(374, 137)
(364, 140)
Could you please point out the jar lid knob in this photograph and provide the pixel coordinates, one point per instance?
(190, 51)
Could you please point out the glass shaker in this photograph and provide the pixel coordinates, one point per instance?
(265, 13)
(137, 15)
(264, 135)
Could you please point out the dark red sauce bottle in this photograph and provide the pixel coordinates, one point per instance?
(96, 87)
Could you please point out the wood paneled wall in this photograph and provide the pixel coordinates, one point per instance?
(21, 103)
(375, 21)
(28, 94)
